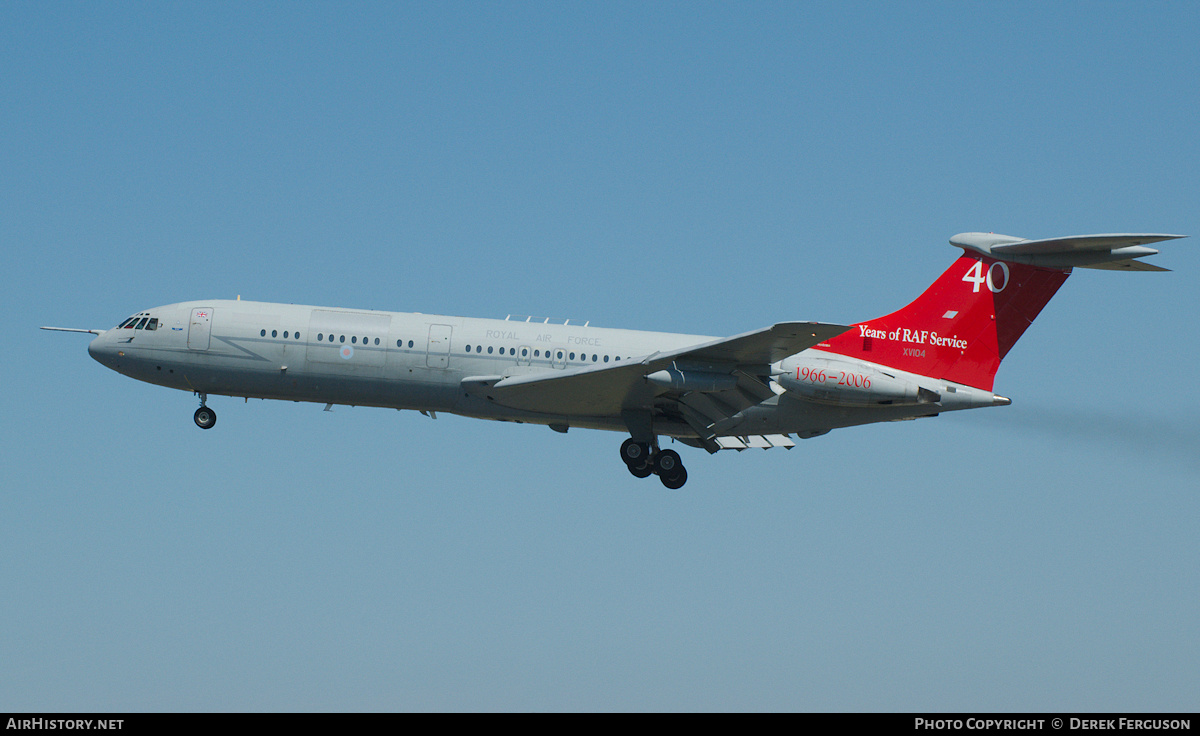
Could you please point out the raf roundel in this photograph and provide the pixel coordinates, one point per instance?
(347, 352)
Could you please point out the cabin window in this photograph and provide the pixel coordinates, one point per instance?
(489, 349)
(285, 334)
(274, 333)
(606, 359)
(353, 339)
(341, 338)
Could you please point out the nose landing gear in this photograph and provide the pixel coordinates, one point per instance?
(204, 416)
(643, 461)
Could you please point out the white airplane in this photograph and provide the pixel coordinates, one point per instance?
(939, 353)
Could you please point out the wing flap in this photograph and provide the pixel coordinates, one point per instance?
(765, 442)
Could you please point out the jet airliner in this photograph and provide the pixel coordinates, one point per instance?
(757, 389)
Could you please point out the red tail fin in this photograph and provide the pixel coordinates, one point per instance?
(962, 326)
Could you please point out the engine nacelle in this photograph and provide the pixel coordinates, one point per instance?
(833, 381)
(685, 379)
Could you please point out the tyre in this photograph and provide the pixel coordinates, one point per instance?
(205, 418)
(667, 462)
(640, 471)
(634, 453)
(676, 481)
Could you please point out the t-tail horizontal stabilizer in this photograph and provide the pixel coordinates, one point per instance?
(1108, 251)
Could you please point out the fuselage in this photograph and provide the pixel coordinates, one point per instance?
(419, 361)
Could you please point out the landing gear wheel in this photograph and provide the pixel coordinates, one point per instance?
(205, 418)
(634, 453)
(667, 463)
(640, 471)
(676, 481)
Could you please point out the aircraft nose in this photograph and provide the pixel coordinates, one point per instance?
(102, 351)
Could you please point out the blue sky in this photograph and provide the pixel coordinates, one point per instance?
(701, 168)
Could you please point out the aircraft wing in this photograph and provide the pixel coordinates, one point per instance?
(605, 390)
(758, 347)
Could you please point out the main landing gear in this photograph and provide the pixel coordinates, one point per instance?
(205, 417)
(666, 464)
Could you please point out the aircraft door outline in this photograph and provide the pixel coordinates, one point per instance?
(437, 352)
(200, 328)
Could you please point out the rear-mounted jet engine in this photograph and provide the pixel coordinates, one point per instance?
(849, 383)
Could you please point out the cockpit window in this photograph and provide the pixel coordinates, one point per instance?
(129, 323)
(152, 324)
(142, 323)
